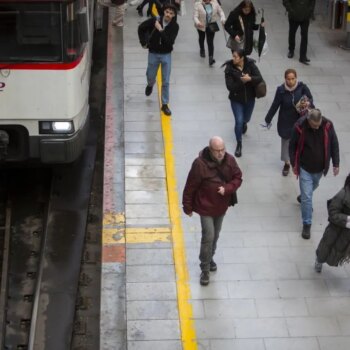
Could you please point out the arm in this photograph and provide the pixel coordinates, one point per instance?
(293, 143)
(229, 25)
(255, 75)
(287, 5)
(307, 92)
(197, 22)
(192, 184)
(169, 36)
(334, 147)
(236, 181)
(335, 214)
(233, 83)
(274, 107)
(221, 14)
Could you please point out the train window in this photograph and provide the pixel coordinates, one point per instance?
(77, 30)
(30, 32)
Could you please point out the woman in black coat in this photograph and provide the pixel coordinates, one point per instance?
(241, 77)
(334, 247)
(233, 26)
(292, 98)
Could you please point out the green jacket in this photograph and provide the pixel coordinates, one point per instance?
(299, 10)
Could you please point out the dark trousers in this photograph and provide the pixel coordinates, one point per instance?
(304, 29)
(210, 40)
(211, 227)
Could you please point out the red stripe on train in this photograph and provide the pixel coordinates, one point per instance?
(42, 66)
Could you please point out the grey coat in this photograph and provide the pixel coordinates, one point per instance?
(334, 247)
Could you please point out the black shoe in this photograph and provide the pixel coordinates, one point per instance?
(318, 266)
(139, 11)
(238, 151)
(148, 90)
(299, 198)
(285, 170)
(204, 280)
(211, 61)
(165, 109)
(290, 54)
(245, 128)
(202, 53)
(306, 233)
(213, 266)
(304, 61)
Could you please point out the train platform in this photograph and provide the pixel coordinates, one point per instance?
(265, 294)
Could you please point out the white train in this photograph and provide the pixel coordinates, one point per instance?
(45, 61)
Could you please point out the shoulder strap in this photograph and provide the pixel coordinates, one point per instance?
(241, 22)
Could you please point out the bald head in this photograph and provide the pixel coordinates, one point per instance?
(217, 148)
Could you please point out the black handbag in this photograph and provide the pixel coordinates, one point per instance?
(260, 89)
(213, 27)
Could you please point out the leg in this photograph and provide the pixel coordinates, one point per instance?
(152, 68)
(201, 38)
(308, 183)
(217, 228)
(208, 235)
(210, 42)
(285, 156)
(166, 69)
(119, 15)
(248, 111)
(237, 109)
(293, 26)
(304, 29)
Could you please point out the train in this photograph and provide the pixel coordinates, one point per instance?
(45, 66)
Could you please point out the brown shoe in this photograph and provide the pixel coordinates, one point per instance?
(285, 170)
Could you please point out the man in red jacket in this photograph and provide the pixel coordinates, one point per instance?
(212, 180)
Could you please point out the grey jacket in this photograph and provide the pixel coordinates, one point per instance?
(334, 247)
(299, 10)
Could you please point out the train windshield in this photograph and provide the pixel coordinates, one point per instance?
(30, 32)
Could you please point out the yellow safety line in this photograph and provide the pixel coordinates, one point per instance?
(188, 332)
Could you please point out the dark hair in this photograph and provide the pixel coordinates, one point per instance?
(170, 7)
(247, 3)
(347, 182)
(239, 52)
(289, 71)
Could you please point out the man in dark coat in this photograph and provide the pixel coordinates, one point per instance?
(312, 145)
(158, 36)
(212, 180)
(299, 14)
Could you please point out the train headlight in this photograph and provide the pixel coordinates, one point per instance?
(56, 127)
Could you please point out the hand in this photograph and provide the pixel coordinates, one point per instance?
(200, 26)
(295, 171)
(245, 78)
(221, 190)
(223, 22)
(237, 38)
(262, 24)
(145, 46)
(190, 214)
(265, 125)
(335, 171)
(158, 26)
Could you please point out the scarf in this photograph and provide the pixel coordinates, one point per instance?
(291, 88)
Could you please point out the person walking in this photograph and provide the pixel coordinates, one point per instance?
(299, 15)
(334, 247)
(293, 98)
(213, 179)
(206, 14)
(312, 145)
(158, 35)
(241, 77)
(244, 14)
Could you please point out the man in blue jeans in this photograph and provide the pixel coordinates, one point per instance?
(158, 34)
(312, 145)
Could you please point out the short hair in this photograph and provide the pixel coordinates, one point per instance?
(315, 115)
(239, 52)
(170, 7)
(290, 71)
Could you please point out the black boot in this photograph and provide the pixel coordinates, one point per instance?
(238, 151)
(139, 10)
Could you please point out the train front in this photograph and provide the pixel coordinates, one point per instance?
(45, 58)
